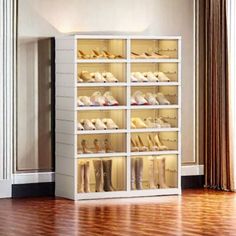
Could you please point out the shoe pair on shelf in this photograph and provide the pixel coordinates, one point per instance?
(153, 144)
(149, 122)
(145, 55)
(149, 77)
(96, 77)
(97, 124)
(98, 55)
(139, 98)
(97, 99)
(98, 148)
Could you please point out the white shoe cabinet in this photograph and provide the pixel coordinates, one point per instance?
(125, 172)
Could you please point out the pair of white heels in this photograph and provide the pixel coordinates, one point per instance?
(153, 144)
(97, 99)
(149, 77)
(139, 98)
(149, 122)
(97, 124)
(97, 77)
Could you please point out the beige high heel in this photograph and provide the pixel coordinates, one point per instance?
(86, 77)
(97, 54)
(138, 123)
(82, 55)
(111, 56)
(142, 147)
(159, 144)
(98, 149)
(107, 146)
(84, 147)
(134, 147)
(151, 145)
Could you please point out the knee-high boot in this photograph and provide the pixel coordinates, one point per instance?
(133, 160)
(86, 177)
(162, 172)
(107, 169)
(151, 172)
(98, 169)
(139, 173)
(80, 177)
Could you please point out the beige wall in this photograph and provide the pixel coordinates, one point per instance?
(44, 18)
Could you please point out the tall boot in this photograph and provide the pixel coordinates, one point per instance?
(107, 169)
(80, 177)
(86, 177)
(162, 172)
(139, 173)
(155, 172)
(151, 173)
(98, 169)
(133, 160)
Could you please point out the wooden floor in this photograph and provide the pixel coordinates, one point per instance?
(196, 212)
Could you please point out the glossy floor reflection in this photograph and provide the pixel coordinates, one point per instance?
(196, 212)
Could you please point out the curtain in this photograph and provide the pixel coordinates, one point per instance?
(217, 158)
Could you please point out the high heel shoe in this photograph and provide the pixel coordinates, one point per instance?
(150, 97)
(97, 55)
(98, 149)
(161, 55)
(161, 77)
(134, 147)
(151, 55)
(98, 78)
(79, 103)
(82, 55)
(138, 96)
(142, 147)
(107, 146)
(162, 123)
(99, 124)
(139, 76)
(109, 77)
(150, 77)
(133, 125)
(159, 144)
(87, 124)
(110, 100)
(86, 77)
(138, 123)
(80, 126)
(85, 100)
(84, 147)
(162, 99)
(151, 145)
(138, 56)
(111, 56)
(110, 123)
(150, 122)
(97, 99)
(79, 80)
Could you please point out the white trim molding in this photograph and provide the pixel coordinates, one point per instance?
(39, 177)
(191, 170)
(47, 177)
(7, 64)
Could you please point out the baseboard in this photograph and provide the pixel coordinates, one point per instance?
(5, 188)
(33, 190)
(30, 178)
(194, 181)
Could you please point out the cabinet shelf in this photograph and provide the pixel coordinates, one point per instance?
(108, 131)
(97, 108)
(102, 155)
(101, 84)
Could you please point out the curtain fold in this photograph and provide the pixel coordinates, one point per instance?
(218, 172)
